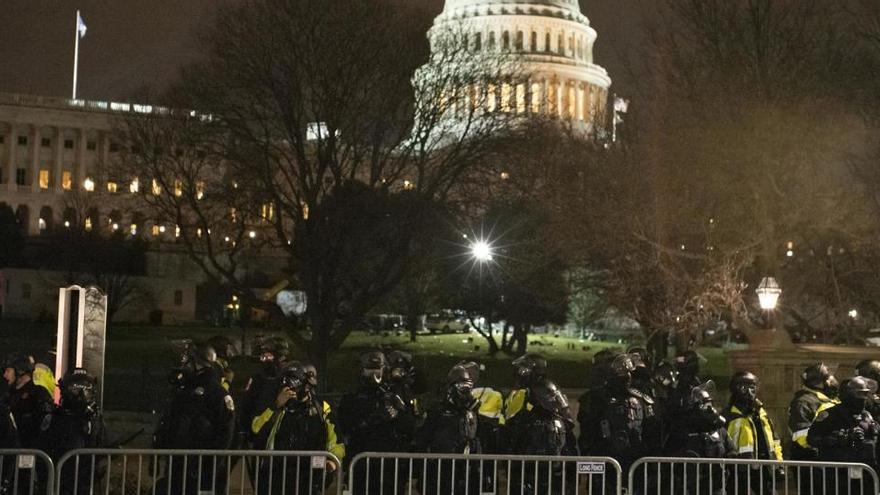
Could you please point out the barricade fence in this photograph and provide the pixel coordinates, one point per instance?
(443, 474)
(25, 471)
(196, 472)
(699, 476)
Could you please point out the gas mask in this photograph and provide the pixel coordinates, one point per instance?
(459, 394)
(371, 377)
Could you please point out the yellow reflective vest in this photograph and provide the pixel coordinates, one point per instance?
(44, 377)
(333, 446)
(744, 433)
(491, 403)
(515, 403)
(800, 436)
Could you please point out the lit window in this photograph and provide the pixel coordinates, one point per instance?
(407, 185)
(505, 97)
(268, 212)
(505, 175)
(155, 230)
(200, 189)
(157, 188)
(199, 232)
(490, 104)
(88, 223)
(177, 231)
(111, 187)
(89, 184)
(42, 224)
(178, 188)
(252, 234)
(133, 229)
(44, 179)
(305, 209)
(67, 224)
(135, 186)
(233, 215)
(521, 98)
(66, 181)
(161, 229)
(115, 227)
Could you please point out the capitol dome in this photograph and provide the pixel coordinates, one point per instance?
(553, 43)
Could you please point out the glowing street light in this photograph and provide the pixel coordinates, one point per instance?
(481, 251)
(768, 293)
(853, 313)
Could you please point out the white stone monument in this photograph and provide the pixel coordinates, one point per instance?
(82, 333)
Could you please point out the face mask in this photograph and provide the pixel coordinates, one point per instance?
(371, 377)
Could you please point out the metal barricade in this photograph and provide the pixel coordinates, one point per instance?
(26, 471)
(196, 472)
(373, 473)
(697, 476)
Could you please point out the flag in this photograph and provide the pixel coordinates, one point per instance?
(80, 25)
(620, 105)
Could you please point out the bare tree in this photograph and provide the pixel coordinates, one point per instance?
(314, 142)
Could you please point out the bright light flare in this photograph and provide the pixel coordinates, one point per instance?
(481, 251)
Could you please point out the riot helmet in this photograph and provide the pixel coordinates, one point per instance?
(274, 351)
(473, 368)
(620, 371)
(819, 377)
(665, 375)
(855, 393)
(460, 387)
(295, 378)
(399, 365)
(529, 368)
(700, 403)
(869, 368)
(223, 346)
(744, 389)
(599, 370)
(21, 364)
(547, 396)
(687, 363)
(79, 392)
(372, 365)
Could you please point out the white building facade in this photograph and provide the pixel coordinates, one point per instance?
(553, 43)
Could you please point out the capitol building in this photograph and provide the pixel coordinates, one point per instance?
(552, 43)
(56, 153)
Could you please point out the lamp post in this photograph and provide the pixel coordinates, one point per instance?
(768, 297)
(481, 251)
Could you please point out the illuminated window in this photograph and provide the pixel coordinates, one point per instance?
(115, 227)
(570, 104)
(505, 175)
(252, 234)
(155, 230)
(490, 96)
(200, 189)
(88, 223)
(177, 231)
(135, 186)
(112, 187)
(89, 184)
(536, 97)
(199, 232)
(178, 188)
(133, 229)
(42, 224)
(268, 212)
(520, 98)
(44, 179)
(233, 215)
(305, 209)
(407, 185)
(157, 188)
(66, 181)
(505, 97)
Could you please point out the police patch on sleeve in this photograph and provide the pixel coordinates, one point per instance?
(227, 399)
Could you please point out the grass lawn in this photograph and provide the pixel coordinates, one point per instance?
(138, 358)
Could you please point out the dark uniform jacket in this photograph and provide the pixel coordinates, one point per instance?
(375, 420)
(540, 432)
(201, 416)
(801, 413)
(622, 428)
(832, 434)
(29, 405)
(449, 429)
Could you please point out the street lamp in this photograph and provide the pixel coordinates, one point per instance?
(481, 251)
(768, 293)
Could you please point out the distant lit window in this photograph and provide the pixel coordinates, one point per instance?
(112, 187)
(305, 209)
(157, 188)
(178, 188)
(135, 186)
(200, 189)
(41, 223)
(88, 223)
(44, 179)
(317, 130)
(408, 185)
(89, 184)
(505, 175)
(133, 229)
(268, 212)
(177, 231)
(68, 144)
(66, 181)
(155, 230)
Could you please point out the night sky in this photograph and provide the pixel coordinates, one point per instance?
(136, 47)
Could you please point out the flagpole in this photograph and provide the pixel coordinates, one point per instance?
(75, 53)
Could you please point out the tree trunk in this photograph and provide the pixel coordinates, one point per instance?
(505, 345)
(413, 324)
(521, 336)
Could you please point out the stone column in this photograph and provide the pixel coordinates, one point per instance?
(579, 102)
(34, 165)
(57, 162)
(81, 172)
(11, 157)
(560, 87)
(545, 98)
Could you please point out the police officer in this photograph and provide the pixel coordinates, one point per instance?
(547, 429)
(619, 427)
(298, 420)
(699, 431)
(76, 424)
(28, 402)
(490, 415)
(406, 380)
(374, 418)
(847, 432)
(819, 391)
(592, 401)
(687, 366)
(870, 368)
(528, 369)
(200, 416)
(642, 376)
(751, 431)
(259, 392)
(451, 427)
(225, 352)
